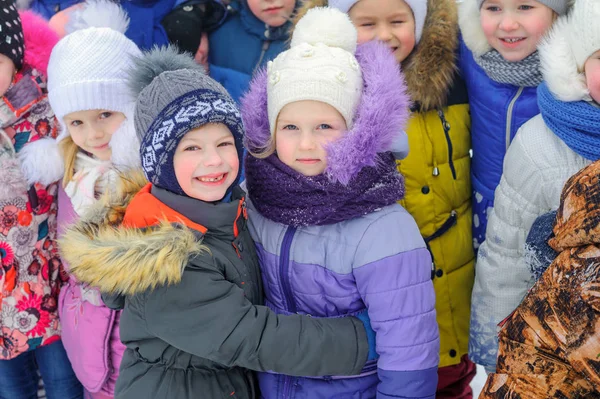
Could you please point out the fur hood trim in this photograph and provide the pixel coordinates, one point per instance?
(125, 261)
(39, 39)
(380, 117)
(469, 17)
(563, 53)
(430, 69)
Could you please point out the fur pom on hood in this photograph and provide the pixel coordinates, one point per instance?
(379, 122)
(563, 53)
(39, 40)
(121, 260)
(98, 14)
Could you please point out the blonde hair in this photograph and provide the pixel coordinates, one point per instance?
(69, 151)
(266, 151)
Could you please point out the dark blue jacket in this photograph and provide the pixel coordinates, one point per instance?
(242, 45)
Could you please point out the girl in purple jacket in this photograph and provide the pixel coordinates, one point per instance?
(321, 123)
(87, 90)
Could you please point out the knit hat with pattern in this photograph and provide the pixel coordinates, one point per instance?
(175, 96)
(559, 6)
(319, 66)
(418, 7)
(11, 33)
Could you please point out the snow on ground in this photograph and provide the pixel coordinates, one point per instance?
(478, 381)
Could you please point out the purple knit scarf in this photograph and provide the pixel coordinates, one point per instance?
(283, 195)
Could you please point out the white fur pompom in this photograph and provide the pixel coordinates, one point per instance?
(98, 14)
(328, 26)
(41, 162)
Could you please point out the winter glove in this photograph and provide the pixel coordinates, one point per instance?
(539, 255)
(364, 317)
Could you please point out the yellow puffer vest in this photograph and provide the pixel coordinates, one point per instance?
(438, 196)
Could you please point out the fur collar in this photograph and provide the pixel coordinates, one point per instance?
(430, 69)
(121, 260)
(470, 27)
(380, 119)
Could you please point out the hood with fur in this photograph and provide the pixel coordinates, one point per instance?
(379, 121)
(430, 69)
(470, 26)
(572, 40)
(121, 260)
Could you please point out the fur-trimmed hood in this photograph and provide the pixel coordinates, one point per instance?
(124, 260)
(430, 69)
(470, 27)
(563, 53)
(379, 121)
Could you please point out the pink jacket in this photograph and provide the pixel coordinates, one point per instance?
(90, 330)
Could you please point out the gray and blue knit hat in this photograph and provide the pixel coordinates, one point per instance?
(175, 96)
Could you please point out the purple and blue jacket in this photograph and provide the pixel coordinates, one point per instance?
(378, 262)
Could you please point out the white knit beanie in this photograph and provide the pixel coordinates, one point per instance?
(319, 66)
(418, 7)
(572, 40)
(88, 70)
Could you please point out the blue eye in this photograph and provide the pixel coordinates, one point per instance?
(290, 127)
(526, 8)
(324, 126)
(493, 8)
(106, 115)
(76, 123)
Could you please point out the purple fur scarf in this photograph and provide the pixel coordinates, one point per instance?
(283, 195)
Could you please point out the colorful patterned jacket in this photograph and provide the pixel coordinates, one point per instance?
(31, 274)
(549, 347)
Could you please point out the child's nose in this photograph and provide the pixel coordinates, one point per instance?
(212, 157)
(384, 33)
(509, 23)
(306, 141)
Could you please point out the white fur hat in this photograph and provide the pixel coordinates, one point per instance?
(572, 40)
(319, 66)
(418, 7)
(88, 70)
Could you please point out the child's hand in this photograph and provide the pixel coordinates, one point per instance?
(364, 317)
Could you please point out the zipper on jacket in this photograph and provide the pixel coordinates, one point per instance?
(265, 47)
(509, 115)
(446, 127)
(451, 221)
(284, 265)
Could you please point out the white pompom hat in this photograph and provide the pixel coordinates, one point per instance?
(319, 66)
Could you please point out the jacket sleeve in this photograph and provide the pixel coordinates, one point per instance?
(502, 275)
(393, 273)
(209, 317)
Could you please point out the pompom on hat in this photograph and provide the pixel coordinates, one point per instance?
(319, 66)
(418, 7)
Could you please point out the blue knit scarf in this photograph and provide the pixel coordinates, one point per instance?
(576, 123)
